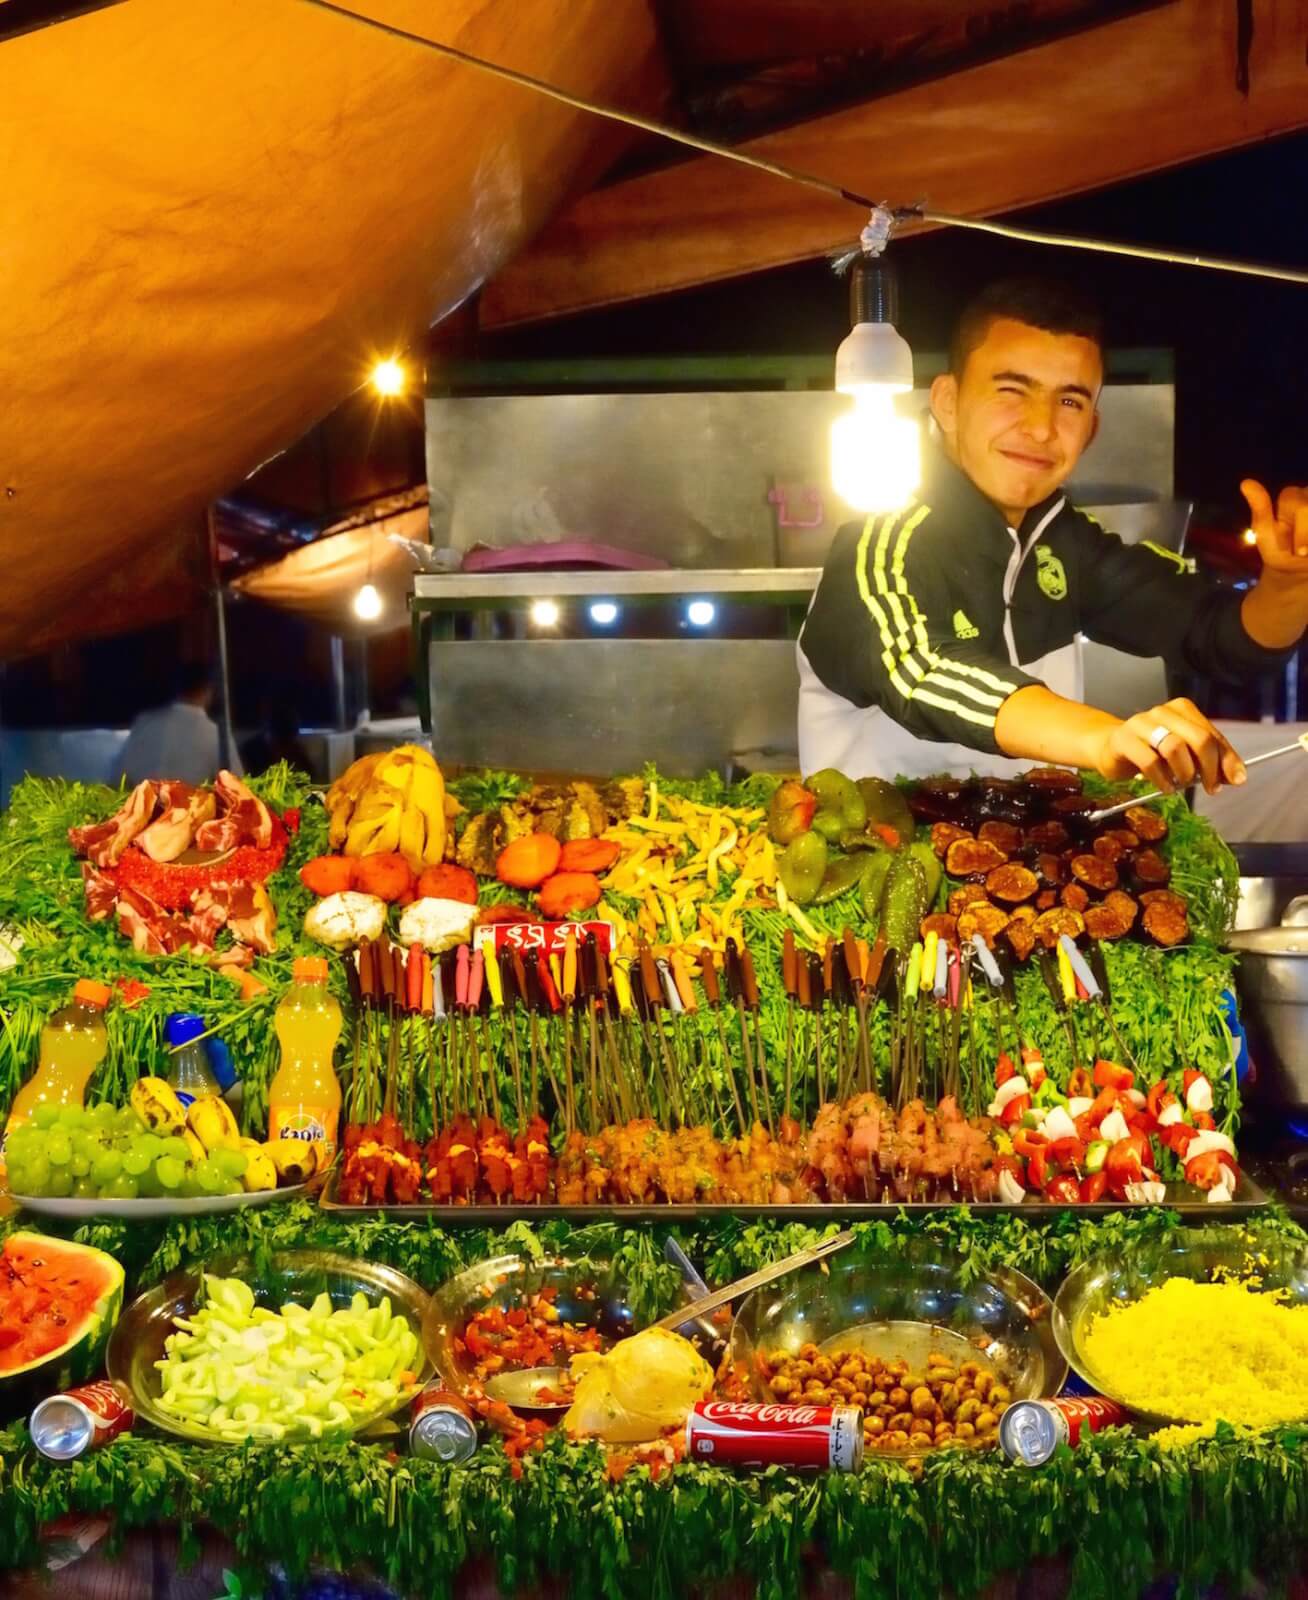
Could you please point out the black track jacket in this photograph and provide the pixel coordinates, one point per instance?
(926, 612)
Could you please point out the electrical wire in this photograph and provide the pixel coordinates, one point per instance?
(778, 169)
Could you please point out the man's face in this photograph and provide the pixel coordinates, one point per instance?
(1023, 411)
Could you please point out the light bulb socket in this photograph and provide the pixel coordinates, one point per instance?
(873, 291)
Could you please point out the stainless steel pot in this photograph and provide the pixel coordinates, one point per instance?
(1273, 982)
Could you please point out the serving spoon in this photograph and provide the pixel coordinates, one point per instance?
(521, 1388)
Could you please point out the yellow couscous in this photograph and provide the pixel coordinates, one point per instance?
(1204, 1353)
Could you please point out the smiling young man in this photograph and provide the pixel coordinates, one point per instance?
(944, 637)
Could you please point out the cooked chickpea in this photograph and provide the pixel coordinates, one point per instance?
(948, 1398)
(897, 1369)
(969, 1369)
(843, 1387)
(782, 1386)
(858, 1398)
(822, 1368)
(984, 1383)
(898, 1440)
(968, 1411)
(987, 1422)
(901, 1422)
(874, 1425)
(938, 1358)
(920, 1441)
(965, 1430)
(1001, 1394)
(781, 1358)
(813, 1386)
(913, 1466)
(898, 1398)
(802, 1369)
(809, 1352)
(922, 1402)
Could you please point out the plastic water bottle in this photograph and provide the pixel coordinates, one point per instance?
(190, 1074)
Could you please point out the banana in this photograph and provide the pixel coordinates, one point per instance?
(211, 1121)
(157, 1105)
(260, 1172)
(344, 795)
(198, 1152)
(295, 1161)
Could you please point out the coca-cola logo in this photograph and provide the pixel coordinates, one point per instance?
(744, 1412)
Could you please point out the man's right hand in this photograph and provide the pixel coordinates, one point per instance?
(1193, 750)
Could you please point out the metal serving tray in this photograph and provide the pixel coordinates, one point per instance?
(1181, 1197)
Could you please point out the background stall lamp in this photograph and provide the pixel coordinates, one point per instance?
(875, 453)
(700, 613)
(387, 377)
(368, 603)
(545, 614)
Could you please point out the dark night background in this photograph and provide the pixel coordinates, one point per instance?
(1240, 347)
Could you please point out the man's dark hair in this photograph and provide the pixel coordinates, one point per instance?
(1046, 303)
(190, 678)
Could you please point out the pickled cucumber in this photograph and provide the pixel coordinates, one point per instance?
(801, 867)
(871, 892)
(935, 873)
(905, 901)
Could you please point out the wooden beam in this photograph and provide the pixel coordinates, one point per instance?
(1144, 93)
(723, 33)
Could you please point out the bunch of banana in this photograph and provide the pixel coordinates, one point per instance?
(392, 801)
(281, 1162)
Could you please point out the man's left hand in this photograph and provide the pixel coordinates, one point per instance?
(1282, 531)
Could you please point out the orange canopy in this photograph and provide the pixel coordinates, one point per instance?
(214, 218)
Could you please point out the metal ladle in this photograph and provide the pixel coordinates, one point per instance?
(1094, 818)
(521, 1388)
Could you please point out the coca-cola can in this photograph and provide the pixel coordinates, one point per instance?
(747, 1434)
(1031, 1430)
(442, 1426)
(65, 1426)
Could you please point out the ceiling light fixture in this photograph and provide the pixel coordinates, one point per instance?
(545, 613)
(700, 613)
(603, 613)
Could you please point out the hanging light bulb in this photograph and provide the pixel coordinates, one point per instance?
(368, 603)
(545, 613)
(875, 453)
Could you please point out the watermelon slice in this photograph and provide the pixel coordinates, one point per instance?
(58, 1305)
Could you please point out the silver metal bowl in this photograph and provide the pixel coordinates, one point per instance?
(902, 1305)
(1201, 1254)
(1272, 979)
(288, 1275)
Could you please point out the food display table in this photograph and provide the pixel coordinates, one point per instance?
(723, 1102)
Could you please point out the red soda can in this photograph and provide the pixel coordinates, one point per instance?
(64, 1426)
(442, 1426)
(1031, 1430)
(747, 1434)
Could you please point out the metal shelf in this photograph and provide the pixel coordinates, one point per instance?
(460, 591)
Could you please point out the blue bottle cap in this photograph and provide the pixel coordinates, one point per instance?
(181, 1028)
(220, 1063)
